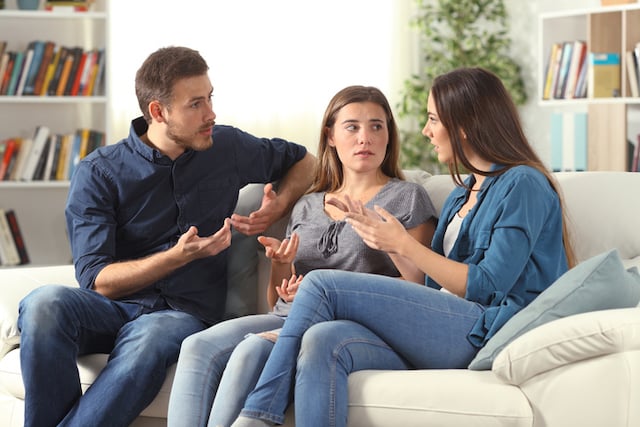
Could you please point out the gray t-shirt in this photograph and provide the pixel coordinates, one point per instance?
(329, 244)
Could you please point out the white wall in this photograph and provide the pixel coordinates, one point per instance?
(275, 64)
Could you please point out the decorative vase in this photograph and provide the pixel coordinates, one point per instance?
(29, 4)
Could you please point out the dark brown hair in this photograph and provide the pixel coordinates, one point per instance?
(159, 72)
(473, 102)
(329, 174)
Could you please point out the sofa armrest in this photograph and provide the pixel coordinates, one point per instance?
(15, 284)
(568, 340)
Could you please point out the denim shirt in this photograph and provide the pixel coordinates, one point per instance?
(127, 201)
(511, 240)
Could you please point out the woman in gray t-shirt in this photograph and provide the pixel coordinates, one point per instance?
(357, 168)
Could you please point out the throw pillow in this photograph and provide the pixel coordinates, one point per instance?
(599, 283)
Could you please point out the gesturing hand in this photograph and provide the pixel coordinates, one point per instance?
(384, 233)
(258, 221)
(350, 205)
(287, 290)
(194, 247)
(282, 252)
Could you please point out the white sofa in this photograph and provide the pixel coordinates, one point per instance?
(595, 381)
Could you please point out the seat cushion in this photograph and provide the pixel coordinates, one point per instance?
(452, 397)
(89, 367)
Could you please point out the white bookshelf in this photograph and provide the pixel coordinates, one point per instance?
(39, 206)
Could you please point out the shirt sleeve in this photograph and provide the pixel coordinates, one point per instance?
(91, 223)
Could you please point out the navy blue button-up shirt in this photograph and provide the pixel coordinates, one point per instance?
(127, 201)
(511, 240)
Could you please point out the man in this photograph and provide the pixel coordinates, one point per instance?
(149, 222)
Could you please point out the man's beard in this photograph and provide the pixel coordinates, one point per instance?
(194, 141)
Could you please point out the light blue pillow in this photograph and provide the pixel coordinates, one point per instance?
(598, 283)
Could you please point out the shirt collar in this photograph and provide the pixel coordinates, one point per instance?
(139, 127)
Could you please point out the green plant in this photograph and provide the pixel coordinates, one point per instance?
(453, 34)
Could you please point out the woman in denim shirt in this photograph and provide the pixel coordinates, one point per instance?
(501, 240)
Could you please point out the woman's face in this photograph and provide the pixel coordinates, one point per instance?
(360, 136)
(437, 133)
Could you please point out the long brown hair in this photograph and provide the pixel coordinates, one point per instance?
(329, 173)
(474, 101)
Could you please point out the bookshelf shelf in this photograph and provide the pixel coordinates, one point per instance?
(39, 205)
(611, 122)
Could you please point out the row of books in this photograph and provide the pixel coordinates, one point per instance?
(566, 72)
(632, 59)
(46, 68)
(12, 247)
(46, 156)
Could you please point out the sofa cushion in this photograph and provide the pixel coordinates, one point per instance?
(599, 283)
(89, 367)
(435, 397)
(568, 340)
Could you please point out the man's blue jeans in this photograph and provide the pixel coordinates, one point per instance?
(60, 323)
(354, 321)
(202, 362)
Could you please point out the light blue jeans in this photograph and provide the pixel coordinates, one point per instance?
(341, 322)
(60, 323)
(204, 357)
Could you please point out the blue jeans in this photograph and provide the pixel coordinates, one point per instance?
(60, 323)
(370, 322)
(203, 359)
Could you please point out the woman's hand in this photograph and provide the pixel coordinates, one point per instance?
(282, 252)
(287, 290)
(350, 205)
(384, 232)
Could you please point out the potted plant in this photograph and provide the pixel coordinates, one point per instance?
(452, 34)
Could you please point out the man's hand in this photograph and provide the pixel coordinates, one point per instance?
(282, 252)
(258, 221)
(194, 247)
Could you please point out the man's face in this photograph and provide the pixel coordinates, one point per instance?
(190, 118)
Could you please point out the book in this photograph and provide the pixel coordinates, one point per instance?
(38, 173)
(8, 250)
(15, 73)
(77, 72)
(6, 78)
(68, 5)
(556, 142)
(567, 48)
(604, 75)
(86, 72)
(580, 130)
(47, 57)
(552, 66)
(4, 62)
(581, 84)
(63, 159)
(8, 157)
(55, 78)
(34, 67)
(40, 137)
(635, 158)
(16, 233)
(95, 84)
(65, 71)
(632, 76)
(51, 69)
(51, 156)
(76, 53)
(578, 53)
(23, 152)
(28, 58)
